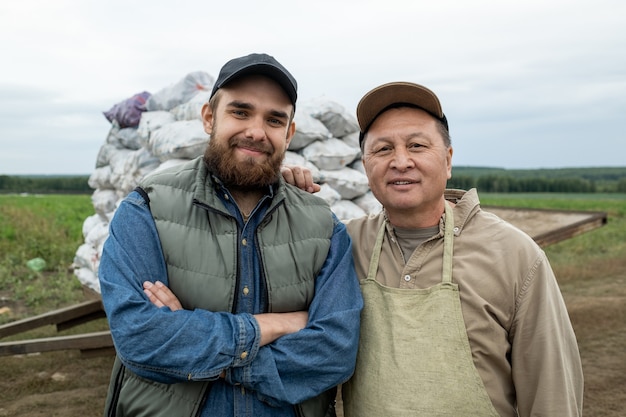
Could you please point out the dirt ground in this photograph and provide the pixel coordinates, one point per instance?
(65, 384)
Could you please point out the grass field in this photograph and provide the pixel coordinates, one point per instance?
(591, 269)
(47, 227)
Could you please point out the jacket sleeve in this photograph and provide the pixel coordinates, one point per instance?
(301, 365)
(546, 365)
(157, 343)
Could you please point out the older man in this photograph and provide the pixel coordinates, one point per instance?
(463, 315)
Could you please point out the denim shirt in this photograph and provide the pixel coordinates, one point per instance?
(168, 347)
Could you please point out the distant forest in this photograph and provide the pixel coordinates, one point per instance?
(45, 184)
(553, 180)
(500, 180)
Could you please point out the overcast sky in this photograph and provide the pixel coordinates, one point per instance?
(532, 84)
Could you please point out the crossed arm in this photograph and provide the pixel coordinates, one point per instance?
(271, 325)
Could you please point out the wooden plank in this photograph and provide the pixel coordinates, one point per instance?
(83, 342)
(93, 353)
(571, 230)
(68, 324)
(63, 318)
(548, 226)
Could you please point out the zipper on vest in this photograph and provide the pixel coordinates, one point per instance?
(238, 273)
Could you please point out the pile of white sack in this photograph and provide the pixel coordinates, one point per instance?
(170, 132)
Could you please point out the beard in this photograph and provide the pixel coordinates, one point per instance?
(247, 174)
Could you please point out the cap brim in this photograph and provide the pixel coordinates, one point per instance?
(381, 97)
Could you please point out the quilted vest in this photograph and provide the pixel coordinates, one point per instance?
(199, 241)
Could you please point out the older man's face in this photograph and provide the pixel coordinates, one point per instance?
(408, 165)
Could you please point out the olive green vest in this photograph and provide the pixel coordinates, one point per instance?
(199, 241)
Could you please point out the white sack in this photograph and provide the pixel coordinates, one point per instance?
(130, 167)
(337, 120)
(330, 154)
(352, 139)
(87, 257)
(308, 130)
(88, 278)
(180, 92)
(91, 222)
(357, 165)
(346, 209)
(368, 203)
(328, 194)
(184, 139)
(193, 108)
(100, 178)
(151, 121)
(129, 138)
(348, 182)
(293, 158)
(97, 235)
(104, 154)
(104, 201)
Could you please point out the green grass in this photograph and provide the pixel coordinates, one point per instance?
(47, 227)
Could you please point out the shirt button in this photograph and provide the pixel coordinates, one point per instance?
(243, 355)
(246, 290)
(244, 242)
(407, 278)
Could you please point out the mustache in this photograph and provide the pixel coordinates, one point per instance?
(264, 147)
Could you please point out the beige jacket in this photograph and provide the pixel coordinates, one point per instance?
(520, 335)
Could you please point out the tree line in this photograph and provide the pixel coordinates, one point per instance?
(61, 184)
(506, 184)
(569, 180)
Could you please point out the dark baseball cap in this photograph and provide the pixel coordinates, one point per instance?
(396, 94)
(257, 64)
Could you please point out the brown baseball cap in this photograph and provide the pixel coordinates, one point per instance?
(396, 94)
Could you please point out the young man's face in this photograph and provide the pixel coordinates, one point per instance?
(250, 127)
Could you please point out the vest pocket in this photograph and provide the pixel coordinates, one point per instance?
(145, 398)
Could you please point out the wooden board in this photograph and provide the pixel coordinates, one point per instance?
(547, 227)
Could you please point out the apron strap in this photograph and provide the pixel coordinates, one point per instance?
(448, 246)
(378, 246)
(448, 243)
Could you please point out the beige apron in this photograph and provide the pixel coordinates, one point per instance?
(414, 356)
